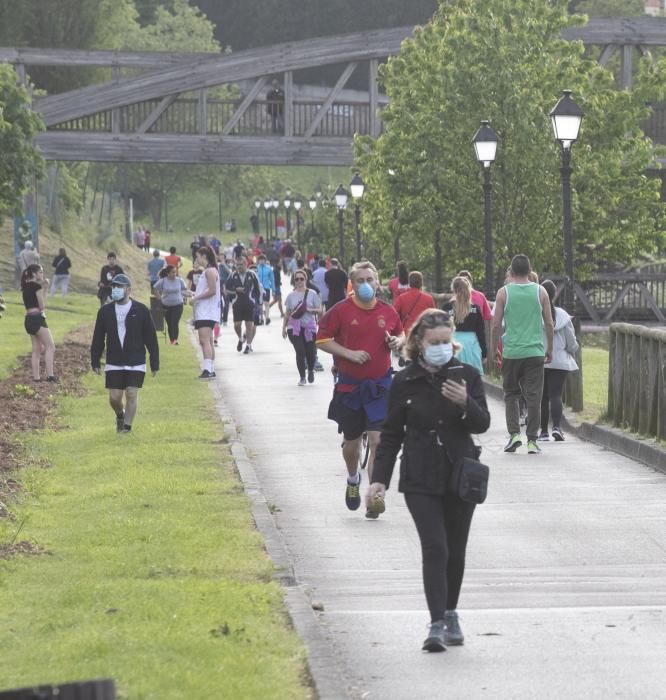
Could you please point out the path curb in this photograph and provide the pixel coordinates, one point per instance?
(614, 439)
(326, 677)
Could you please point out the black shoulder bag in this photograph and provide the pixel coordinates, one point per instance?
(469, 480)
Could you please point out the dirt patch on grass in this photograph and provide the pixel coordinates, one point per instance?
(24, 547)
(25, 405)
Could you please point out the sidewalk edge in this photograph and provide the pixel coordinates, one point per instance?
(607, 437)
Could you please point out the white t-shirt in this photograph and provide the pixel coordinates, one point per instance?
(122, 310)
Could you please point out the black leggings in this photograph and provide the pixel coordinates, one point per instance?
(172, 316)
(553, 383)
(305, 351)
(443, 524)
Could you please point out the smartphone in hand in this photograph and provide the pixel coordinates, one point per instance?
(455, 374)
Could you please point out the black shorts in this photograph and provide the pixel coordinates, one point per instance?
(267, 296)
(352, 424)
(33, 322)
(204, 323)
(243, 311)
(122, 378)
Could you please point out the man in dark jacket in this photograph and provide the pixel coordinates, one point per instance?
(126, 329)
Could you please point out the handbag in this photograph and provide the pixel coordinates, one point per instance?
(469, 480)
(301, 308)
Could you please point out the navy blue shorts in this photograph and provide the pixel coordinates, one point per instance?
(351, 423)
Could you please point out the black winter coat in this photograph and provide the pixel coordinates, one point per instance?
(434, 433)
(140, 334)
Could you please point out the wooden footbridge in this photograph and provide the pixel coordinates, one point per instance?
(164, 112)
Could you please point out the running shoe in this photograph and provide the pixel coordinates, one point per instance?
(268, 321)
(310, 376)
(353, 495)
(514, 443)
(558, 436)
(371, 515)
(239, 345)
(454, 635)
(301, 381)
(533, 448)
(543, 437)
(120, 422)
(377, 507)
(436, 639)
(247, 350)
(206, 374)
(318, 367)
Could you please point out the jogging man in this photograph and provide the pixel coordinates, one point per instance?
(245, 285)
(267, 282)
(126, 329)
(360, 332)
(524, 307)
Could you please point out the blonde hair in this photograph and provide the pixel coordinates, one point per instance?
(363, 265)
(462, 304)
(428, 319)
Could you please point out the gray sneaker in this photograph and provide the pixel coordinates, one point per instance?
(454, 635)
(436, 639)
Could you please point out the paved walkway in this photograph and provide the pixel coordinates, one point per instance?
(565, 590)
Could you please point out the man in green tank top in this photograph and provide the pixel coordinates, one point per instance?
(524, 308)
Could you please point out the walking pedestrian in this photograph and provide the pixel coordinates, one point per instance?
(28, 256)
(478, 297)
(336, 281)
(155, 265)
(267, 282)
(171, 291)
(125, 328)
(300, 325)
(319, 278)
(360, 332)
(413, 302)
(524, 308)
(245, 285)
(207, 301)
(565, 347)
(470, 331)
(107, 273)
(435, 405)
(400, 283)
(33, 289)
(62, 265)
(174, 259)
(277, 292)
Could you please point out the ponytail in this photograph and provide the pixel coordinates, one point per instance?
(551, 290)
(28, 273)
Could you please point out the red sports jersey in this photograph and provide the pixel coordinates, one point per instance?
(410, 305)
(480, 299)
(357, 328)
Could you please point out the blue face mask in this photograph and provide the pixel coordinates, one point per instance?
(365, 292)
(117, 293)
(438, 355)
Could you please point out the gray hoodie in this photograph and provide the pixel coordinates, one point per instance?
(565, 345)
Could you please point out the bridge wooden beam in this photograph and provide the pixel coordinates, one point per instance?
(606, 54)
(229, 68)
(193, 149)
(374, 98)
(156, 113)
(244, 105)
(319, 116)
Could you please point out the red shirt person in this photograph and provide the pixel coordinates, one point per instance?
(478, 298)
(413, 302)
(400, 283)
(360, 332)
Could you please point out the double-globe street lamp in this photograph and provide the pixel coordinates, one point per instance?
(297, 207)
(357, 187)
(485, 146)
(275, 203)
(268, 203)
(312, 203)
(567, 117)
(341, 197)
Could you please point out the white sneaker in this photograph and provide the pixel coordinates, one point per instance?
(302, 382)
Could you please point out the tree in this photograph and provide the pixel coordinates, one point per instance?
(20, 161)
(510, 65)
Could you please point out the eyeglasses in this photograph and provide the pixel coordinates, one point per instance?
(299, 279)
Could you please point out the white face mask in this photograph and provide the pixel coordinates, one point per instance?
(117, 293)
(438, 355)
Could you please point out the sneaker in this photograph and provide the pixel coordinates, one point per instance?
(454, 635)
(126, 429)
(301, 381)
(120, 422)
(239, 345)
(543, 437)
(377, 507)
(206, 375)
(371, 515)
(533, 448)
(310, 376)
(318, 367)
(213, 375)
(514, 443)
(353, 495)
(268, 321)
(215, 341)
(558, 436)
(247, 350)
(436, 639)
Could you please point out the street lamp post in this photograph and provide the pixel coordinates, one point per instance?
(287, 208)
(567, 117)
(485, 146)
(276, 208)
(357, 187)
(312, 203)
(267, 206)
(297, 207)
(341, 197)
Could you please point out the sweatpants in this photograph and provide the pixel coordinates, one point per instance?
(524, 375)
(305, 352)
(551, 399)
(442, 523)
(172, 316)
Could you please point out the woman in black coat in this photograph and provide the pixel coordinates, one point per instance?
(435, 404)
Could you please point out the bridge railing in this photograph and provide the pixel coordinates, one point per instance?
(343, 119)
(655, 126)
(637, 379)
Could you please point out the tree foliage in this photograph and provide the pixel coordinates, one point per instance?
(509, 64)
(19, 160)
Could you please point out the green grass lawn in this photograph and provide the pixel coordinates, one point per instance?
(595, 383)
(63, 316)
(154, 573)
